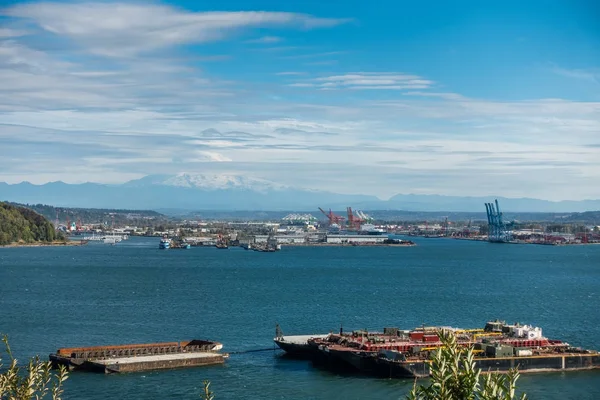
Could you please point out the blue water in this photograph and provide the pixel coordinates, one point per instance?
(135, 293)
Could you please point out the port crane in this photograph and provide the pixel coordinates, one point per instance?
(333, 218)
(365, 217)
(354, 221)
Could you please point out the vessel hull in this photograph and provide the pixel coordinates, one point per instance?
(139, 357)
(295, 350)
(420, 369)
(363, 362)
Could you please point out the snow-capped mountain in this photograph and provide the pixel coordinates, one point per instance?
(209, 182)
(181, 191)
(186, 191)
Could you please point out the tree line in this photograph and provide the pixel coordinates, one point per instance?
(96, 215)
(21, 225)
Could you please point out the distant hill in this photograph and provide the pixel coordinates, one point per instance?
(19, 224)
(95, 215)
(184, 191)
(379, 216)
(197, 192)
(412, 202)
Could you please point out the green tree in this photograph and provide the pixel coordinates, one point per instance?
(36, 381)
(19, 224)
(455, 377)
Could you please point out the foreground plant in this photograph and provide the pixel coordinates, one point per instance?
(206, 393)
(36, 381)
(455, 377)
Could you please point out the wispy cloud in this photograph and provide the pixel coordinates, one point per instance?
(301, 84)
(592, 75)
(324, 62)
(266, 40)
(10, 33)
(447, 96)
(368, 81)
(127, 96)
(277, 49)
(292, 131)
(315, 55)
(126, 29)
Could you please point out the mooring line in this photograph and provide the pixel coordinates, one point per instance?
(253, 351)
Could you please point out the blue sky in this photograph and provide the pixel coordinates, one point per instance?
(387, 97)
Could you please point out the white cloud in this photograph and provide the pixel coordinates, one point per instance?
(592, 75)
(213, 156)
(368, 81)
(152, 110)
(265, 40)
(9, 33)
(447, 96)
(363, 75)
(301, 84)
(127, 29)
(315, 55)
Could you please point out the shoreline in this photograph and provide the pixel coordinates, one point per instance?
(53, 244)
(479, 239)
(348, 245)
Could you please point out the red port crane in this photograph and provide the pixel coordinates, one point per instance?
(354, 222)
(333, 218)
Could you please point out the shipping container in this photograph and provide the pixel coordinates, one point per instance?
(523, 352)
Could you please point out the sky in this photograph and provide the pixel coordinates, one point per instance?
(431, 97)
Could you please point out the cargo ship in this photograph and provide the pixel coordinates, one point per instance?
(139, 357)
(396, 353)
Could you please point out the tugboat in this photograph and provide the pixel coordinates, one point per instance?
(164, 243)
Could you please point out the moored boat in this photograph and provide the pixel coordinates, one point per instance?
(497, 347)
(296, 345)
(222, 242)
(139, 357)
(164, 243)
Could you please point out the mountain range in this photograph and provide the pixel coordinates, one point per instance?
(233, 192)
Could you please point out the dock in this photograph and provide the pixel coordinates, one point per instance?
(139, 357)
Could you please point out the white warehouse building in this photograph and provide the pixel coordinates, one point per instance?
(281, 239)
(342, 239)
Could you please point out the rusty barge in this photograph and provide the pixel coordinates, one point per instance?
(396, 353)
(139, 357)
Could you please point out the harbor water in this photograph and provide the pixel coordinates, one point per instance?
(132, 292)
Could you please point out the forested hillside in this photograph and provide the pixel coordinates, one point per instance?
(18, 224)
(95, 216)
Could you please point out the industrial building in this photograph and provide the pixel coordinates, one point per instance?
(282, 239)
(355, 238)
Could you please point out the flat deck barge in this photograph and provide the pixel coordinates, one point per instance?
(297, 345)
(139, 357)
(397, 353)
